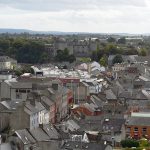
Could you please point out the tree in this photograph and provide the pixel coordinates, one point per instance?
(23, 49)
(59, 56)
(103, 61)
(63, 55)
(144, 143)
(18, 72)
(128, 143)
(71, 58)
(111, 49)
(31, 52)
(85, 59)
(132, 51)
(4, 44)
(117, 59)
(111, 40)
(44, 57)
(122, 40)
(94, 55)
(66, 52)
(97, 47)
(143, 52)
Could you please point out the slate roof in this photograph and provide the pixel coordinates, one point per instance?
(47, 101)
(20, 85)
(39, 106)
(72, 125)
(51, 131)
(97, 101)
(30, 109)
(25, 136)
(113, 124)
(131, 58)
(90, 124)
(10, 104)
(138, 121)
(39, 134)
(6, 59)
(110, 95)
(81, 145)
(91, 83)
(143, 59)
(133, 94)
(5, 146)
(92, 107)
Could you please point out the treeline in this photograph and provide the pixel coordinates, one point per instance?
(24, 50)
(28, 50)
(104, 50)
(63, 55)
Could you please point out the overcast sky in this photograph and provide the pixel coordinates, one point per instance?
(102, 16)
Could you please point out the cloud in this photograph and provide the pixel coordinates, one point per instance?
(76, 15)
(59, 5)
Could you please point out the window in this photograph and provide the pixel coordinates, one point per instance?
(28, 91)
(32, 123)
(135, 129)
(18, 96)
(22, 91)
(144, 129)
(128, 129)
(109, 111)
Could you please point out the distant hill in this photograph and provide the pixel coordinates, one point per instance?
(13, 31)
(19, 31)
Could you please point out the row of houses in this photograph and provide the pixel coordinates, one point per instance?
(81, 109)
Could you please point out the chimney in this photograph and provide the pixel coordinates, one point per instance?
(55, 86)
(32, 102)
(41, 126)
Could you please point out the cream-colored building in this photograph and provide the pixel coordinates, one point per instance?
(7, 63)
(119, 67)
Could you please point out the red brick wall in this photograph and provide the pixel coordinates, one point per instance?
(83, 110)
(70, 97)
(140, 132)
(86, 111)
(52, 114)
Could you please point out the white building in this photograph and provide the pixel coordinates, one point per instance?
(119, 67)
(37, 113)
(34, 117)
(7, 63)
(11, 89)
(94, 87)
(96, 68)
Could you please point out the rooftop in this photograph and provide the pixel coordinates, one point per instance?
(81, 145)
(138, 121)
(6, 59)
(51, 131)
(39, 134)
(25, 136)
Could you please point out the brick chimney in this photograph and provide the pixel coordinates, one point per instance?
(55, 86)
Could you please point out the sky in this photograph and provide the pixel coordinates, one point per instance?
(96, 16)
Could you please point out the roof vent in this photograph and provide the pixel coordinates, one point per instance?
(68, 145)
(106, 120)
(77, 146)
(86, 146)
(26, 138)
